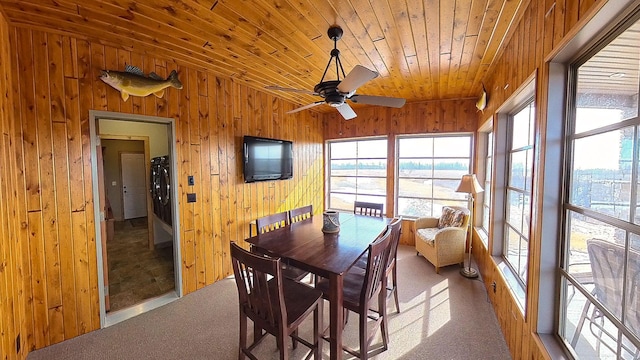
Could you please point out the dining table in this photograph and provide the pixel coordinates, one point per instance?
(304, 245)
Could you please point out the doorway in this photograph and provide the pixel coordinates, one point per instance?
(138, 252)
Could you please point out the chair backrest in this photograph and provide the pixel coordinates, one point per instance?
(367, 208)
(394, 240)
(607, 265)
(376, 267)
(301, 213)
(272, 222)
(259, 283)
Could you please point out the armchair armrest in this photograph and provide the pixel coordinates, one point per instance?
(449, 236)
(426, 222)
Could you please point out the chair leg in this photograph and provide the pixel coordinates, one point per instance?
(294, 342)
(317, 330)
(282, 346)
(576, 336)
(363, 335)
(382, 307)
(394, 279)
(243, 336)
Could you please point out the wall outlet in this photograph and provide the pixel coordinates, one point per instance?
(493, 285)
(191, 198)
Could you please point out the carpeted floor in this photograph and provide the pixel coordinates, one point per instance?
(443, 316)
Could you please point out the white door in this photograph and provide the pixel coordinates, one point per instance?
(134, 189)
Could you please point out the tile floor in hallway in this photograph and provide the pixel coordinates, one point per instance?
(137, 273)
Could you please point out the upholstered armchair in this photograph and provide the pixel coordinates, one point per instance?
(442, 241)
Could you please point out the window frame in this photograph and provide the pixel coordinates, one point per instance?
(567, 207)
(356, 194)
(529, 103)
(397, 177)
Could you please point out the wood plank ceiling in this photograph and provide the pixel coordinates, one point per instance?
(423, 49)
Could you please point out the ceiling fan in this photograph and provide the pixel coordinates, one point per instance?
(336, 92)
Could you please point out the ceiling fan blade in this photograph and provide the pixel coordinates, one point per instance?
(378, 100)
(306, 107)
(346, 111)
(357, 77)
(290, 90)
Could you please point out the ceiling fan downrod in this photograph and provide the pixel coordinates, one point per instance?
(335, 34)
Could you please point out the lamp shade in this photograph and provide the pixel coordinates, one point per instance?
(469, 184)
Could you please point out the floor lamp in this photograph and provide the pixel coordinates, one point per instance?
(469, 184)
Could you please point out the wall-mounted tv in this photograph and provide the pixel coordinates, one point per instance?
(267, 159)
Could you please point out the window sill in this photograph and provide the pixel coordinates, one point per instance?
(484, 237)
(518, 292)
(553, 347)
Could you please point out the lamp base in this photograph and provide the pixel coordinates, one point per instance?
(469, 272)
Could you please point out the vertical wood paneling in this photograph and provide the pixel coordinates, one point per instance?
(416, 118)
(58, 83)
(14, 320)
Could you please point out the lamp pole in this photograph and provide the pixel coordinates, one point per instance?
(470, 272)
(469, 185)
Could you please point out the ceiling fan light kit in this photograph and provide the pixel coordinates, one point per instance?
(336, 92)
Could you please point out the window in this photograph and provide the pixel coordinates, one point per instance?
(600, 272)
(357, 171)
(486, 197)
(518, 191)
(429, 169)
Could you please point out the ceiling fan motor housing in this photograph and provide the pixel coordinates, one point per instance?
(329, 91)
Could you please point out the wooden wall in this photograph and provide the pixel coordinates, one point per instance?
(56, 84)
(13, 301)
(544, 26)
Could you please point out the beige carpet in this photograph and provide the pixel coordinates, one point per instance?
(443, 316)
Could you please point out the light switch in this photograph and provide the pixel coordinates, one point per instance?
(114, 183)
(190, 180)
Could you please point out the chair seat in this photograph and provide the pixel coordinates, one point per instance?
(299, 300)
(352, 286)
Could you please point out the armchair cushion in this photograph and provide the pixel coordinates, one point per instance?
(428, 235)
(450, 218)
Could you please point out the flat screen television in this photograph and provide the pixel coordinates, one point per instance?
(267, 159)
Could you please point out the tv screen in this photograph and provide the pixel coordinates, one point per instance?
(267, 159)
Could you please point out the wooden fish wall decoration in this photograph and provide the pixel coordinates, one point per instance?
(132, 81)
(481, 104)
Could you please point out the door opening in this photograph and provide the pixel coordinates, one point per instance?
(139, 251)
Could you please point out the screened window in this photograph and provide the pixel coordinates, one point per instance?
(429, 169)
(600, 274)
(357, 171)
(518, 191)
(488, 168)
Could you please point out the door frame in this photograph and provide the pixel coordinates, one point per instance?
(94, 117)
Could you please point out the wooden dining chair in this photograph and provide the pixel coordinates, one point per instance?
(368, 208)
(301, 213)
(273, 222)
(390, 269)
(360, 291)
(273, 303)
